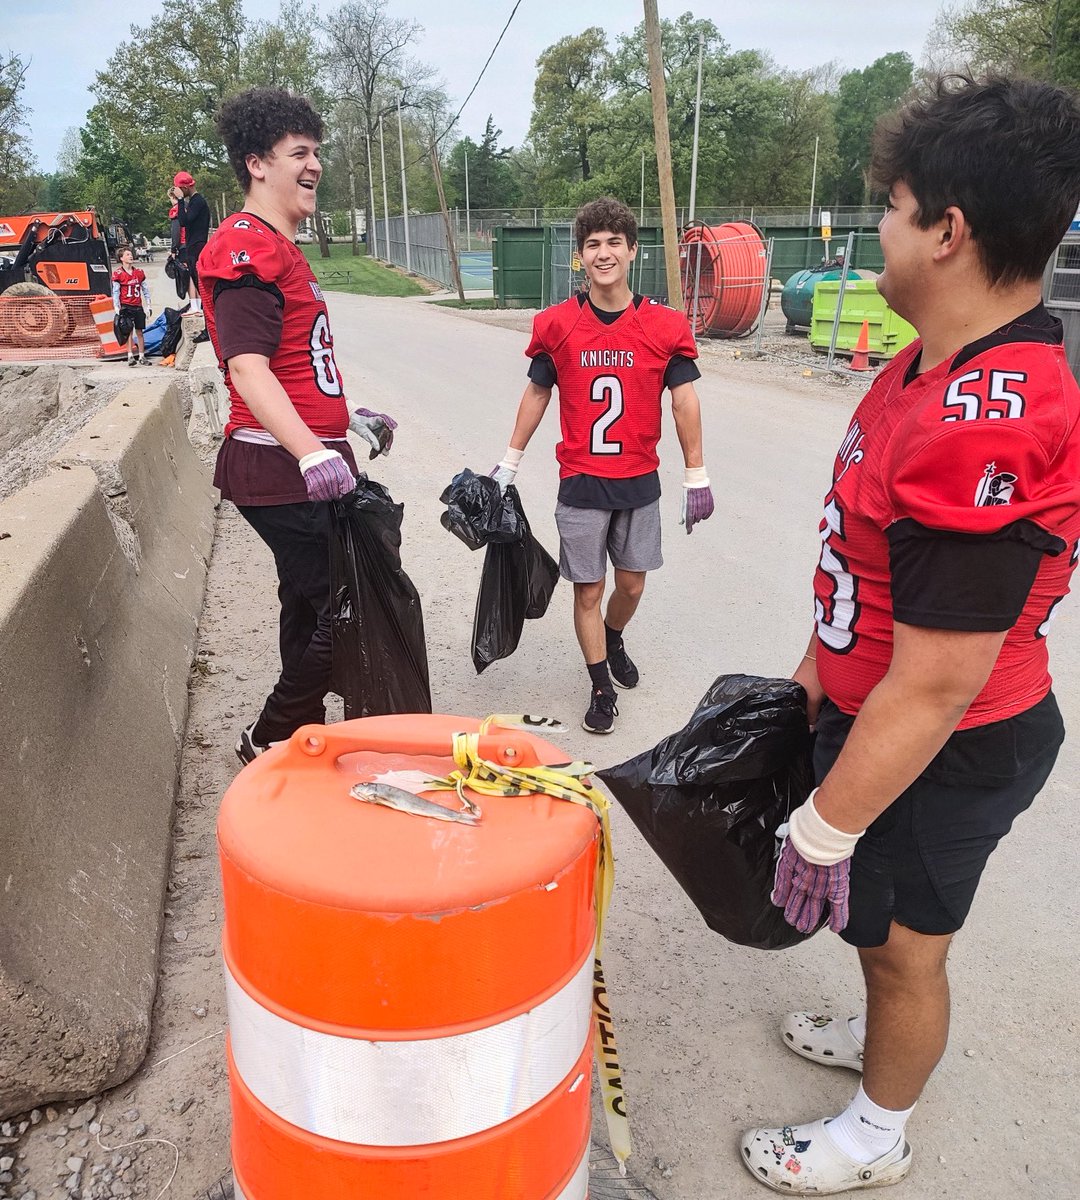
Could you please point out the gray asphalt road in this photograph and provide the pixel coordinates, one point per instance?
(697, 1017)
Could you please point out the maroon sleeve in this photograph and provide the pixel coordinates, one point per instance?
(248, 321)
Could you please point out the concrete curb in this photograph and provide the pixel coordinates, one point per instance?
(101, 587)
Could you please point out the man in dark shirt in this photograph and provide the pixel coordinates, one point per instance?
(193, 214)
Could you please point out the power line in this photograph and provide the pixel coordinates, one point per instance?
(483, 69)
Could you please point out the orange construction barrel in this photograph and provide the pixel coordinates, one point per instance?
(409, 999)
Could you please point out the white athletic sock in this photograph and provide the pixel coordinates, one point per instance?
(857, 1025)
(865, 1131)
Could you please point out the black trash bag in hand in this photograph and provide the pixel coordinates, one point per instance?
(709, 798)
(516, 585)
(478, 512)
(122, 327)
(379, 651)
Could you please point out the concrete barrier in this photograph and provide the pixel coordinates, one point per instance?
(102, 574)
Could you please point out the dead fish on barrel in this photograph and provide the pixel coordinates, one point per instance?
(403, 801)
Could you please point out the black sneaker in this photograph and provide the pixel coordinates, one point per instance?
(247, 748)
(131, 360)
(621, 666)
(602, 712)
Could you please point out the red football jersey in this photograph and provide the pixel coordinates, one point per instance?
(968, 451)
(246, 250)
(131, 284)
(610, 380)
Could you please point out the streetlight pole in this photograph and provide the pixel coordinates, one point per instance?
(813, 183)
(404, 191)
(373, 233)
(385, 200)
(468, 209)
(697, 126)
(641, 219)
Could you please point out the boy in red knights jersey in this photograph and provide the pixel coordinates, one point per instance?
(949, 539)
(285, 454)
(611, 354)
(130, 292)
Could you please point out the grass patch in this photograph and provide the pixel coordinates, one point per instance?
(486, 303)
(366, 277)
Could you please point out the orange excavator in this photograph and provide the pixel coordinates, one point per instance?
(44, 257)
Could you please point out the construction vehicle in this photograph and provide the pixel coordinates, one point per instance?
(46, 259)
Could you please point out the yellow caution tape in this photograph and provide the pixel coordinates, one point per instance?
(570, 782)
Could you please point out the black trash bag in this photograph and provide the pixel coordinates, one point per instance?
(478, 512)
(122, 327)
(516, 585)
(174, 333)
(379, 651)
(709, 798)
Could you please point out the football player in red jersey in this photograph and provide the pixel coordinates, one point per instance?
(949, 540)
(130, 293)
(285, 454)
(611, 354)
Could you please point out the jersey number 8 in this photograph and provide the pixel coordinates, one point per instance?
(327, 378)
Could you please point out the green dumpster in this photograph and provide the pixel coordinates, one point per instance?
(518, 262)
(889, 333)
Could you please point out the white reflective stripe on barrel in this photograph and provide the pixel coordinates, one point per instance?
(576, 1189)
(409, 1093)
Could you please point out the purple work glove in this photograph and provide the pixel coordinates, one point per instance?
(326, 475)
(377, 429)
(697, 505)
(802, 889)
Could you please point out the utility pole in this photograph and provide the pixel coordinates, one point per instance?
(404, 191)
(697, 127)
(662, 137)
(385, 201)
(372, 232)
(451, 246)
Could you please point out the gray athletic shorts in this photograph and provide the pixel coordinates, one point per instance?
(588, 537)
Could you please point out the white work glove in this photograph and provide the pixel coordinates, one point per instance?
(505, 472)
(377, 429)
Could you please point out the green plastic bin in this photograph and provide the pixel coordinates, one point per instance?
(889, 333)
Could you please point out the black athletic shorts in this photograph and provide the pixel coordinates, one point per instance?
(920, 862)
(135, 313)
(191, 259)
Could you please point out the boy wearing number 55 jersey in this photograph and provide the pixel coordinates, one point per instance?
(285, 454)
(948, 542)
(611, 354)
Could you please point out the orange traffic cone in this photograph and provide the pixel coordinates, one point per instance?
(860, 358)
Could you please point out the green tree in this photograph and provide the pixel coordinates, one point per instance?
(862, 98)
(568, 101)
(110, 177)
(1040, 38)
(16, 189)
(492, 180)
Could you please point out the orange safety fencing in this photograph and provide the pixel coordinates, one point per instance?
(40, 328)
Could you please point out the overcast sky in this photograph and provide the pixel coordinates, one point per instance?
(69, 41)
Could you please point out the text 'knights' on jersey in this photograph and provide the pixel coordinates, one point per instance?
(610, 380)
(955, 505)
(292, 327)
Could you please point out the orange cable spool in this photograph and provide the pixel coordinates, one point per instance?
(410, 1000)
(730, 281)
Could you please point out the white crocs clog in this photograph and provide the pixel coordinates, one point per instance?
(827, 1040)
(803, 1160)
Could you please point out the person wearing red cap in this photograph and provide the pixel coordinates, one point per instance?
(193, 213)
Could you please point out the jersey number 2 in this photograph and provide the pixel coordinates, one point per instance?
(327, 378)
(606, 389)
